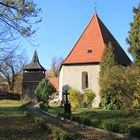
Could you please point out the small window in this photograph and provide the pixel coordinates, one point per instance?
(89, 51)
(84, 80)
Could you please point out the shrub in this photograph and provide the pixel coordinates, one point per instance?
(44, 106)
(28, 115)
(85, 120)
(45, 127)
(61, 115)
(134, 130)
(129, 111)
(95, 122)
(123, 128)
(88, 97)
(75, 98)
(44, 91)
(42, 124)
(75, 118)
(67, 115)
(55, 132)
(82, 120)
(66, 136)
(38, 120)
(110, 126)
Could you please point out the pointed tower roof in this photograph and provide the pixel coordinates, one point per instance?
(90, 46)
(34, 64)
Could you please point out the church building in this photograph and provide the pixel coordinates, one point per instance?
(80, 70)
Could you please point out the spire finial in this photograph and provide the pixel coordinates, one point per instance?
(95, 6)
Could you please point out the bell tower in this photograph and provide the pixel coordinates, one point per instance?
(33, 73)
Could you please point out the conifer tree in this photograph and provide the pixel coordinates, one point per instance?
(108, 59)
(43, 93)
(115, 82)
(134, 35)
(134, 42)
(106, 64)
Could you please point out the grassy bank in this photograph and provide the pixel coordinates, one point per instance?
(116, 121)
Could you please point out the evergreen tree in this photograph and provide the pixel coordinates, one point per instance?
(113, 85)
(112, 88)
(134, 42)
(134, 34)
(133, 79)
(107, 62)
(43, 92)
(117, 84)
(108, 59)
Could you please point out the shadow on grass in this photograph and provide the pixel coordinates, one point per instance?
(11, 111)
(15, 125)
(18, 128)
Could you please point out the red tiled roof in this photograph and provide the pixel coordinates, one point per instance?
(55, 82)
(93, 39)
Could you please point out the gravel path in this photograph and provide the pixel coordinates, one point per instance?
(87, 133)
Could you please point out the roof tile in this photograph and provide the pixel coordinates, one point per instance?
(94, 38)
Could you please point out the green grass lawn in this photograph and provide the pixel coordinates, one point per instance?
(99, 116)
(116, 121)
(16, 125)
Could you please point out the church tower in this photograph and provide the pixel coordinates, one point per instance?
(80, 70)
(33, 73)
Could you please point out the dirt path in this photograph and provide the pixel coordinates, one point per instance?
(87, 133)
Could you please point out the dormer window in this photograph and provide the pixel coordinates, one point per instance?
(89, 51)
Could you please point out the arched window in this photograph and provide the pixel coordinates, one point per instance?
(84, 80)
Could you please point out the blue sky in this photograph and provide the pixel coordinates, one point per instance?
(63, 21)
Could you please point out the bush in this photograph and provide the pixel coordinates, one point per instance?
(88, 97)
(44, 91)
(45, 127)
(44, 106)
(134, 130)
(67, 115)
(95, 123)
(85, 120)
(82, 120)
(75, 118)
(110, 126)
(66, 136)
(129, 112)
(38, 120)
(42, 124)
(55, 132)
(28, 115)
(61, 115)
(75, 98)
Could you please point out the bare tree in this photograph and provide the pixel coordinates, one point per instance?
(17, 18)
(55, 66)
(11, 70)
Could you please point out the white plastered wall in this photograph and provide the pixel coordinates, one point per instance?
(72, 75)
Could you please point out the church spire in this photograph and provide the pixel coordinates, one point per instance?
(35, 58)
(34, 64)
